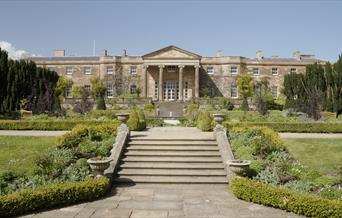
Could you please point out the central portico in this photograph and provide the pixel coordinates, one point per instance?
(171, 74)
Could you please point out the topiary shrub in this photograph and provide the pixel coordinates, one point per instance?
(133, 121)
(149, 108)
(204, 121)
(142, 120)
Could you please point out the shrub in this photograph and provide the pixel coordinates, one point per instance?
(149, 108)
(105, 146)
(204, 121)
(100, 103)
(142, 120)
(52, 195)
(154, 122)
(101, 115)
(133, 121)
(313, 127)
(286, 199)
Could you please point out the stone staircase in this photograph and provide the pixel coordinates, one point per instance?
(171, 160)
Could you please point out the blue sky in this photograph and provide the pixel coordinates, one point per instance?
(203, 27)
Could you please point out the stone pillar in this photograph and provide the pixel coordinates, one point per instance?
(145, 80)
(180, 82)
(160, 84)
(196, 81)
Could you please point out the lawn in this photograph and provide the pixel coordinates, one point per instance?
(18, 153)
(323, 155)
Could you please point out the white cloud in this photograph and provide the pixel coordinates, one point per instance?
(13, 53)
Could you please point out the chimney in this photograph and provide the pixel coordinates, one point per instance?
(123, 53)
(296, 55)
(258, 55)
(59, 53)
(104, 53)
(219, 53)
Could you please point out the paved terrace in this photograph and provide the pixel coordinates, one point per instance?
(167, 201)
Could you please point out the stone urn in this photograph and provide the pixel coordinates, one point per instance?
(239, 167)
(123, 117)
(98, 165)
(218, 118)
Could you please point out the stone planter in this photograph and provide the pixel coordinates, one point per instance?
(218, 118)
(98, 166)
(123, 117)
(239, 167)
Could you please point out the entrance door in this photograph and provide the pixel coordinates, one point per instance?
(171, 90)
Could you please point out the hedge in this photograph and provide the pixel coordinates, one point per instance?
(304, 127)
(28, 200)
(286, 199)
(46, 124)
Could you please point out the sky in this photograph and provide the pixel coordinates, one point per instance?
(238, 28)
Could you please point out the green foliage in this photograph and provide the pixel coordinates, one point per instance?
(61, 85)
(154, 122)
(262, 96)
(204, 121)
(307, 127)
(24, 80)
(142, 120)
(53, 195)
(52, 163)
(100, 103)
(48, 124)
(101, 115)
(245, 85)
(286, 199)
(97, 88)
(133, 121)
(149, 108)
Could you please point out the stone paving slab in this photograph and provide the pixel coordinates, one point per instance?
(168, 201)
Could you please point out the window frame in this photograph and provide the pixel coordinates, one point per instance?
(236, 72)
(85, 70)
(134, 88)
(212, 71)
(234, 86)
(110, 72)
(277, 69)
(67, 71)
(131, 71)
(109, 89)
(68, 92)
(256, 74)
(293, 69)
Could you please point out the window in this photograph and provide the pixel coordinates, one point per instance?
(211, 91)
(109, 90)
(210, 70)
(186, 90)
(233, 70)
(68, 71)
(133, 89)
(293, 70)
(110, 70)
(68, 92)
(155, 90)
(171, 68)
(274, 71)
(274, 91)
(87, 70)
(255, 71)
(233, 91)
(51, 68)
(133, 70)
(87, 87)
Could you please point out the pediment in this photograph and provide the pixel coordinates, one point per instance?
(171, 52)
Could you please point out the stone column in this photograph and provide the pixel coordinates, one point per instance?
(145, 80)
(160, 84)
(180, 82)
(196, 81)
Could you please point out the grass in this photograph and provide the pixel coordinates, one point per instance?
(18, 153)
(323, 155)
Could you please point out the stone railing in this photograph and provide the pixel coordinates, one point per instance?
(122, 135)
(220, 133)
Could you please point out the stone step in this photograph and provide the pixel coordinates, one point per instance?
(138, 138)
(172, 159)
(172, 179)
(174, 153)
(172, 148)
(166, 165)
(172, 172)
(174, 143)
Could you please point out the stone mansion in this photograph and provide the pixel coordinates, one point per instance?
(172, 73)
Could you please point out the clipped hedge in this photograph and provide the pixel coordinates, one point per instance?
(49, 196)
(304, 127)
(46, 124)
(286, 199)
